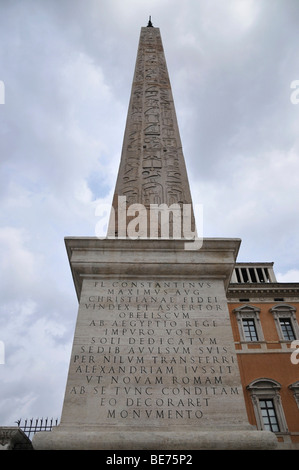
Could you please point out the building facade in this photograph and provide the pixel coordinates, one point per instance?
(265, 322)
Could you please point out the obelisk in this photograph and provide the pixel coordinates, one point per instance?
(152, 169)
(153, 364)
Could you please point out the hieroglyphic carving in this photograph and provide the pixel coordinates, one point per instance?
(151, 115)
(151, 167)
(151, 74)
(151, 57)
(169, 143)
(153, 193)
(152, 129)
(151, 92)
(152, 171)
(132, 194)
(152, 141)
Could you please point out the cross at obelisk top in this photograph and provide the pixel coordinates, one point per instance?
(150, 24)
(152, 168)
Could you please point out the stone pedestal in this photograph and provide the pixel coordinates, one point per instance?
(84, 438)
(153, 364)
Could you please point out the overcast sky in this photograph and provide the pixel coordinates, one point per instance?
(67, 68)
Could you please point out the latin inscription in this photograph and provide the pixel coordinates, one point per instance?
(152, 350)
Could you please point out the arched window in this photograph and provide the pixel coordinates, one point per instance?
(286, 322)
(265, 396)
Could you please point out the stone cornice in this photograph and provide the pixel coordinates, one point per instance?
(264, 289)
(148, 258)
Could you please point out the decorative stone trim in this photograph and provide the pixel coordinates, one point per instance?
(249, 311)
(12, 437)
(285, 311)
(295, 389)
(262, 389)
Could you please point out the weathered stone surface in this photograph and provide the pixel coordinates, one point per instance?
(13, 438)
(152, 168)
(126, 439)
(153, 352)
(156, 349)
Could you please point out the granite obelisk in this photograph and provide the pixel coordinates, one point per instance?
(153, 364)
(152, 169)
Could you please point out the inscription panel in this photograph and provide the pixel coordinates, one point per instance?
(152, 352)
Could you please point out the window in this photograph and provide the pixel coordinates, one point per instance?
(295, 389)
(248, 318)
(249, 329)
(286, 322)
(269, 415)
(287, 329)
(268, 410)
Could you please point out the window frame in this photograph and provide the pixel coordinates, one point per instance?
(249, 312)
(284, 323)
(285, 311)
(247, 324)
(267, 389)
(267, 415)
